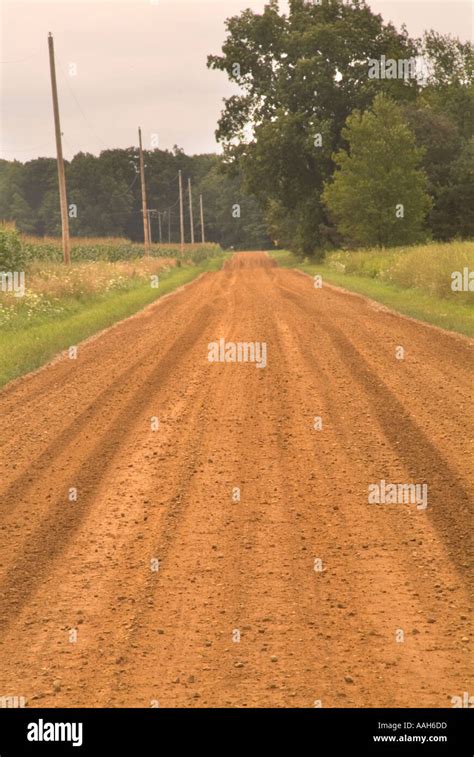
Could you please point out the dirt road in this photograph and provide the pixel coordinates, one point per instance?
(138, 591)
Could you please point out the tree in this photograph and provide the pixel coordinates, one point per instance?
(449, 86)
(301, 76)
(456, 198)
(49, 215)
(442, 119)
(102, 201)
(233, 218)
(22, 213)
(378, 195)
(10, 183)
(446, 161)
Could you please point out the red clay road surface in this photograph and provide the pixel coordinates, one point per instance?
(155, 569)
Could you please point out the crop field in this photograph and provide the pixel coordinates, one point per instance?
(111, 249)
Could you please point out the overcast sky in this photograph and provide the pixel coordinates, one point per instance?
(138, 63)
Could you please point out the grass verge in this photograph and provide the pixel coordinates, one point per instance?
(28, 343)
(447, 314)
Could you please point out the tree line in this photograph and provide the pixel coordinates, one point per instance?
(104, 197)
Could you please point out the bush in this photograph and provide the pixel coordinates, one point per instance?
(13, 253)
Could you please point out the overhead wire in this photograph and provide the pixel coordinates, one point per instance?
(79, 107)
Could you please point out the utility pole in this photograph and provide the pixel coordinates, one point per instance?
(159, 227)
(203, 236)
(59, 153)
(146, 220)
(149, 224)
(191, 216)
(169, 226)
(149, 228)
(181, 211)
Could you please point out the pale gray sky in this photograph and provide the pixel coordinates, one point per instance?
(140, 62)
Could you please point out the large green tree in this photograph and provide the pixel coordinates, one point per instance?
(300, 76)
(378, 194)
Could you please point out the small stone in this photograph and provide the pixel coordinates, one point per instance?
(348, 679)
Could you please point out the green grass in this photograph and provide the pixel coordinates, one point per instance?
(28, 343)
(452, 314)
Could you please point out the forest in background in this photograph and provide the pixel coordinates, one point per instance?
(105, 191)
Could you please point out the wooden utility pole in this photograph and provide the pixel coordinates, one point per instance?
(146, 220)
(149, 225)
(191, 216)
(59, 153)
(169, 226)
(150, 238)
(159, 227)
(203, 236)
(181, 210)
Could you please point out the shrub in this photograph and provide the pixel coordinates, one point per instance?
(13, 253)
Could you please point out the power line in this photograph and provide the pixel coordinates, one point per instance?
(32, 149)
(79, 107)
(21, 60)
(122, 194)
(170, 207)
